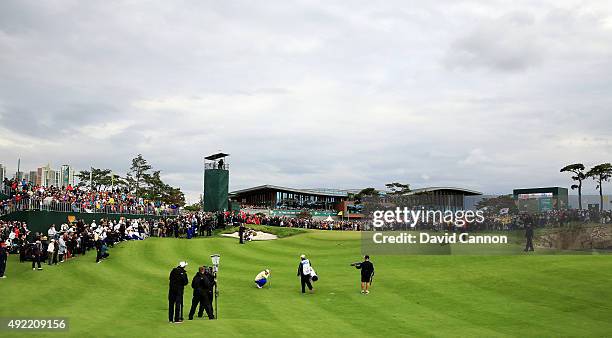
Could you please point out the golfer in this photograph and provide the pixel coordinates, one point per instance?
(367, 272)
(304, 272)
(178, 280)
(262, 278)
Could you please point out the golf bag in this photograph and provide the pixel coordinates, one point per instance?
(313, 275)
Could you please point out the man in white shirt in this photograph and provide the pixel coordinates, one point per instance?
(62, 248)
(304, 272)
(51, 232)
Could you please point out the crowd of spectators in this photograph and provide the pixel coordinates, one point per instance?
(305, 223)
(491, 221)
(509, 221)
(24, 195)
(282, 206)
(189, 225)
(68, 240)
(552, 218)
(193, 224)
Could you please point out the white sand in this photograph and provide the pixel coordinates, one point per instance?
(261, 236)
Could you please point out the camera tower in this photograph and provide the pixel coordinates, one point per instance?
(216, 182)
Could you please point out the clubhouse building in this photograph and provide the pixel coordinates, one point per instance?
(273, 196)
(337, 202)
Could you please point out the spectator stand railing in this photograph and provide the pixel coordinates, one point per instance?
(54, 206)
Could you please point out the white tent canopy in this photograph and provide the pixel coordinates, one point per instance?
(329, 219)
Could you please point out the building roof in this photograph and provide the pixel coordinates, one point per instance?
(318, 192)
(556, 190)
(456, 190)
(215, 156)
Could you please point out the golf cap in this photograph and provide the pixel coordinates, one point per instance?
(183, 264)
(303, 256)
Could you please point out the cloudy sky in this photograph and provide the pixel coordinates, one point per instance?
(488, 95)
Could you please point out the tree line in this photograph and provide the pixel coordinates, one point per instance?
(395, 188)
(600, 173)
(140, 179)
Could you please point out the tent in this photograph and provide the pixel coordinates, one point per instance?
(329, 219)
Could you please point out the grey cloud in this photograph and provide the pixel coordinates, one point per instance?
(309, 94)
(52, 119)
(510, 43)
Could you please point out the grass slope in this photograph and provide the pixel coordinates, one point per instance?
(125, 296)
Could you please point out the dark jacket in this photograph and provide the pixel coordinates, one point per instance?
(367, 269)
(196, 284)
(3, 253)
(37, 249)
(178, 279)
(529, 232)
(208, 282)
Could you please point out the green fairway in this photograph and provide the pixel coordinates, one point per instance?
(531, 295)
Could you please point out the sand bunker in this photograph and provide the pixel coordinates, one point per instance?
(261, 236)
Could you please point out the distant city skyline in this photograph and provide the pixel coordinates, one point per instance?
(44, 175)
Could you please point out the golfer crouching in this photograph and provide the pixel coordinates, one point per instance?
(262, 278)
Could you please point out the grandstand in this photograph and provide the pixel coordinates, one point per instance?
(57, 206)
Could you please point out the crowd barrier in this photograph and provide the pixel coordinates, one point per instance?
(38, 205)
